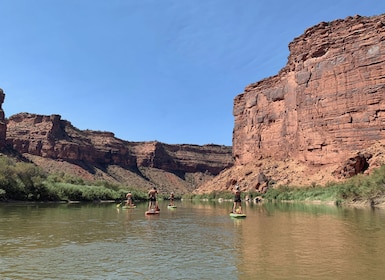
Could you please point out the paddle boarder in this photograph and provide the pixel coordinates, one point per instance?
(152, 199)
(129, 201)
(237, 206)
(171, 199)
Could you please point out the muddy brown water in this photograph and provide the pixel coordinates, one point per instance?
(197, 240)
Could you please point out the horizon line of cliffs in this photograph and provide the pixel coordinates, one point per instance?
(326, 104)
(52, 137)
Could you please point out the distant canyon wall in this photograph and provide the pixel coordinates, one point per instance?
(327, 102)
(51, 137)
(3, 125)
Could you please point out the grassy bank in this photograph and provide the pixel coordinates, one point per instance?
(360, 188)
(215, 195)
(27, 182)
(22, 181)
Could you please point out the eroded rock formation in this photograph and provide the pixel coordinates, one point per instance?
(51, 137)
(328, 101)
(307, 124)
(321, 118)
(3, 126)
(56, 145)
(182, 158)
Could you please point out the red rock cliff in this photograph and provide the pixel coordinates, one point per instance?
(183, 158)
(327, 102)
(51, 137)
(3, 126)
(321, 119)
(56, 145)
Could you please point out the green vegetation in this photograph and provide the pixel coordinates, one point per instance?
(27, 182)
(226, 195)
(20, 180)
(357, 188)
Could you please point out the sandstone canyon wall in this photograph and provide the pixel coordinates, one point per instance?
(321, 118)
(327, 102)
(3, 125)
(56, 145)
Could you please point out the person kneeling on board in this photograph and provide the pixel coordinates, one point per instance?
(129, 201)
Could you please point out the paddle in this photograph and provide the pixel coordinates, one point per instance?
(120, 204)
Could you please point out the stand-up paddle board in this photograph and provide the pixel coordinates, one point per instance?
(124, 206)
(152, 212)
(171, 206)
(237, 215)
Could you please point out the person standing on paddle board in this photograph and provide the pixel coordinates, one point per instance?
(152, 199)
(129, 201)
(237, 206)
(171, 199)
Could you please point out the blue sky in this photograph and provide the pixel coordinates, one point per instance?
(165, 70)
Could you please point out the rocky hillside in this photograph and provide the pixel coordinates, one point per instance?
(57, 146)
(3, 127)
(321, 118)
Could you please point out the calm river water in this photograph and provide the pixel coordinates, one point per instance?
(193, 241)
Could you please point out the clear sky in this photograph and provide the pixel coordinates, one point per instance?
(165, 70)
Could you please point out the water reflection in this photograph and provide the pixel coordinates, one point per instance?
(193, 241)
(312, 242)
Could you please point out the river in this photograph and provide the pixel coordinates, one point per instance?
(197, 240)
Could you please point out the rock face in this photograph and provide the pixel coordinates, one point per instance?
(51, 137)
(55, 144)
(322, 118)
(3, 126)
(182, 158)
(327, 102)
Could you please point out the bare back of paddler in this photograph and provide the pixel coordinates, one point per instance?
(172, 199)
(129, 201)
(152, 205)
(237, 206)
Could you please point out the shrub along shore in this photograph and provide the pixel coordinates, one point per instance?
(20, 181)
(358, 190)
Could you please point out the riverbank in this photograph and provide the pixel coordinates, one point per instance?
(358, 191)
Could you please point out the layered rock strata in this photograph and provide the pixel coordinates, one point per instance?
(49, 141)
(327, 102)
(3, 125)
(321, 118)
